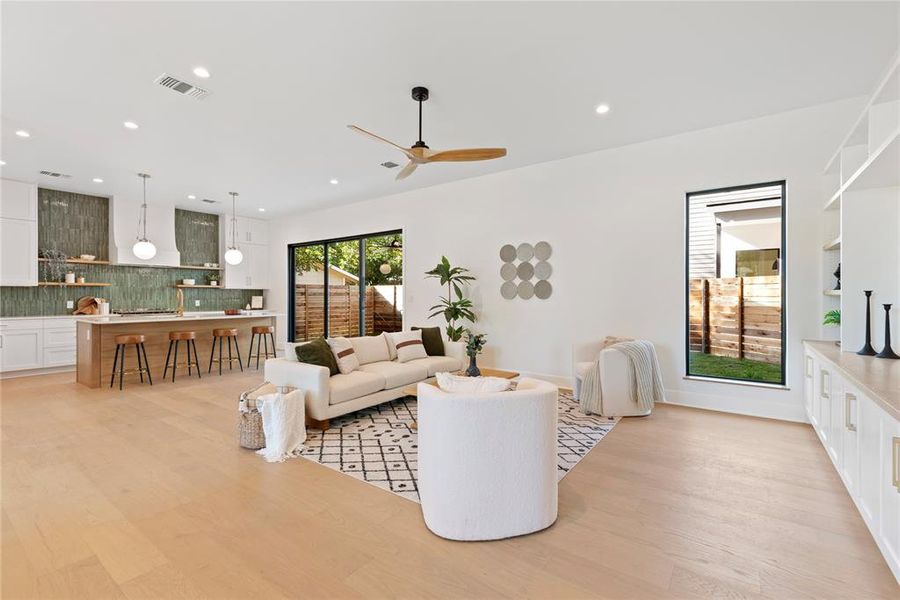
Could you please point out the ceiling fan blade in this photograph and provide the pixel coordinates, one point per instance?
(378, 138)
(468, 154)
(407, 170)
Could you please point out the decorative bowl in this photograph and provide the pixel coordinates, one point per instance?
(87, 256)
(232, 311)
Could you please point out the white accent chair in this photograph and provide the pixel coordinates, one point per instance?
(488, 462)
(617, 397)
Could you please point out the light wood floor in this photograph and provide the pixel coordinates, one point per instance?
(145, 494)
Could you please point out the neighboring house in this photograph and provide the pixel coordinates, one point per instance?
(336, 276)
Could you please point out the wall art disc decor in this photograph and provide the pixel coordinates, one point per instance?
(508, 271)
(525, 271)
(525, 252)
(508, 253)
(526, 290)
(509, 290)
(543, 289)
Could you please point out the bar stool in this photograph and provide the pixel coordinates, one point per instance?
(189, 338)
(220, 334)
(122, 342)
(262, 331)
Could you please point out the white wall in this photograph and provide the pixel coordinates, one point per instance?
(615, 219)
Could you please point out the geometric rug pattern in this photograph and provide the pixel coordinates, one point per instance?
(377, 445)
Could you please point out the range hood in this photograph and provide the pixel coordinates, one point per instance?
(123, 230)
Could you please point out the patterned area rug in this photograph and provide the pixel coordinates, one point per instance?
(376, 445)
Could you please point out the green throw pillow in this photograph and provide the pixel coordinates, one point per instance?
(432, 340)
(318, 352)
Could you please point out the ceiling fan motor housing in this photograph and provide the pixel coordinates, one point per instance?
(420, 94)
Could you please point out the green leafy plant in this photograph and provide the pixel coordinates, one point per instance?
(56, 268)
(474, 342)
(832, 317)
(454, 310)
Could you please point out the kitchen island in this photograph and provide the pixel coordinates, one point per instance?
(96, 344)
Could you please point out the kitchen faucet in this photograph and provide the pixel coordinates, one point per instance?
(179, 296)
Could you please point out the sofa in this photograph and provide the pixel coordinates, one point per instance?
(380, 377)
(488, 462)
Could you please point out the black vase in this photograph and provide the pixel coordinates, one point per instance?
(887, 352)
(868, 350)
(473, 370)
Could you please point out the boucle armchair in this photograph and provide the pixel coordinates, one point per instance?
(488, 462)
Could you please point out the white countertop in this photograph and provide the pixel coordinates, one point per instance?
(188, 316)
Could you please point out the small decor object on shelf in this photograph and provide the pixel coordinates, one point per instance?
(887, 351)
(832, 317)
(867, 349)
(474, 345)
(80, 279)
(837, 274)
(70, 277)
(453, 310)
(212, 280)
(87, 257)
(188, 281)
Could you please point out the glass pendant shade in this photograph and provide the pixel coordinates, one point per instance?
(385, 269)
(233, 256)
(144, 249)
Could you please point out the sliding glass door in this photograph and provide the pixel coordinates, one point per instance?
(346, 287)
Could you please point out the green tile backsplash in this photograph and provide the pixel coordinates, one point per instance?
(80, 224)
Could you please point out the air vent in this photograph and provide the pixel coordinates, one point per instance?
(389, 165)
(55, 174)
(182, 87)
(208, 201)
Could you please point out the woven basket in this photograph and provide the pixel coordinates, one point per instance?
(250, 426)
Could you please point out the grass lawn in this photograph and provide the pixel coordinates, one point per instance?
(733, 368)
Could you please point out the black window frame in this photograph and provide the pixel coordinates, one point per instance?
(292, 276)
(783, 272)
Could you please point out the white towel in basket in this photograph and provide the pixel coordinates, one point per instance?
(284, 423)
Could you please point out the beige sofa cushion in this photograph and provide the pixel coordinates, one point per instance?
(370, 349)
(436, 364)
(396, 374)
(353, 385)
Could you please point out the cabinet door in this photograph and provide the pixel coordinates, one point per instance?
(18, 252)
(259, 267)
(237, 276)
(18, 200)
(20, 349)
(836, 418)
(823, 402)
(868, 430)
(850, 439)
(890, 490)
(809, 374)
(259, 231)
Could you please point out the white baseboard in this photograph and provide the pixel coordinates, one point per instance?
(752, 407)
(33, 372)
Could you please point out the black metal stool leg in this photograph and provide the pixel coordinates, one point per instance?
(168, 355)
(187, 343)
(220, 355)
(115, 362)
(147, 363)
(122, 368)
(266, 340)
(230, 367)
(274, 354)
(250, 352)
(238, 350)
(196, 358)
(212, 351)
(137, 351)
(175, 362)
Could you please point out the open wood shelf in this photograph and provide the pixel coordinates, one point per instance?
(78, 261)
(834, 244)
(832, 292)
(199, 268)
(216, 287)
(64, 284)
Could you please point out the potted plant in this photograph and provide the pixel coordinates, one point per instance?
(832, 317)
(474, 346)
(453, 310)
(56, 264)
(212, 279)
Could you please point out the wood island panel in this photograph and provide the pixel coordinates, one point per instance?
(97, 346)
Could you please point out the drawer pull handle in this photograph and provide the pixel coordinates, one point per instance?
(847, 421)
(895, 470)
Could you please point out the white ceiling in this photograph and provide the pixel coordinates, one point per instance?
(287, 78)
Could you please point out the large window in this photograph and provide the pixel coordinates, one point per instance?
(735, 322)
(346, 287)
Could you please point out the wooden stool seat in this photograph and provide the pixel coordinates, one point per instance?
(189, 339)
(227, 332)
(122, 341)
(182, 335)
(261, 334)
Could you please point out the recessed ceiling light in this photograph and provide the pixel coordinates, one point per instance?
(130, 125)
(334, 182)
(602, 109)
(97, 180)
(201, 72)
(192, 197)
(262, 210)
(23, 134)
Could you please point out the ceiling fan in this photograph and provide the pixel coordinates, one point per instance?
(420, 154)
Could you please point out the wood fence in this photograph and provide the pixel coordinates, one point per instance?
(343, 311)
(738, 317)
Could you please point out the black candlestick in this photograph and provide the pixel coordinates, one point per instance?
(868, 350)
(837, 274)
(887, 352)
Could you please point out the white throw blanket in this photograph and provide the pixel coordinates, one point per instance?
(284, 423)
(645, 380)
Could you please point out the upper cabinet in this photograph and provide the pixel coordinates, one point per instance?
(18, 233)
(252, 238)
(247, 231)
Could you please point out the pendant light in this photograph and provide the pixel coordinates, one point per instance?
(233, 256)
(143, 248)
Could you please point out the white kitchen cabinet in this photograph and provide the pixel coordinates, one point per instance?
(890, 489)
(18, 252)
(258, 266)
(259, 231)
(21, 345)
(849, 434)
(252, 240)
(809, 373)
(870, 478)
(18, 200)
